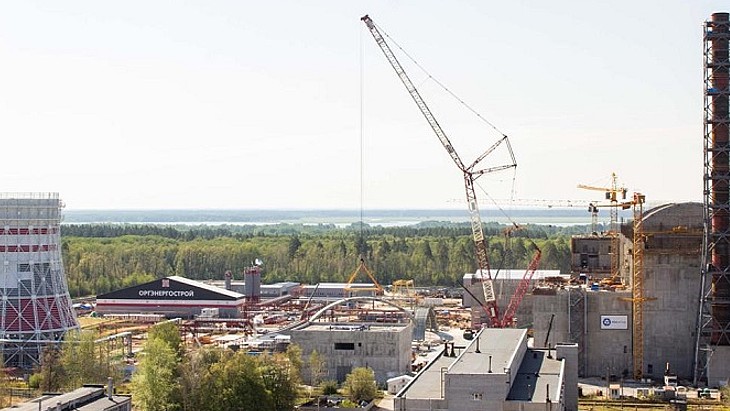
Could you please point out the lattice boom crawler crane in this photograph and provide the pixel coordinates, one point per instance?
(470, 174)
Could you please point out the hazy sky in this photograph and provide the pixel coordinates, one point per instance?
(258, 104)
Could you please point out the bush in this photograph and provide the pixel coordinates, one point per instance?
(328, 387)
(35, 381)
(360, 385)
(348, 404)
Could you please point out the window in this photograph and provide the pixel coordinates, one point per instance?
(477, 396)
(344, 346)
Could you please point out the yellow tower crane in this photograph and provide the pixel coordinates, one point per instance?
(612, 195)
(637, 288)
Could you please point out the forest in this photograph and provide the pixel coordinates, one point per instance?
(99, 258)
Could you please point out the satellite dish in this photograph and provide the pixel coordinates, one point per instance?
(258, 262)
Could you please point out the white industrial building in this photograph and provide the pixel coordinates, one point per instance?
(496, 372)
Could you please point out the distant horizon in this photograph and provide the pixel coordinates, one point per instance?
(336, 217)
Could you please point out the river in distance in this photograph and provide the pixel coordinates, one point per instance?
(339, 218)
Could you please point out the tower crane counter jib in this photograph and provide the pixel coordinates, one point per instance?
(470, 173)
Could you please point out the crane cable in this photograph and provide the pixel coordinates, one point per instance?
(468, 107)
(362, 132)
(435, 80)
(504, 213)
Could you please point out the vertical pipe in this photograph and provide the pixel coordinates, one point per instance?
(720, 176)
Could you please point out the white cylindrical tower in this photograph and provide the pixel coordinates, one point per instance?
(35, 306)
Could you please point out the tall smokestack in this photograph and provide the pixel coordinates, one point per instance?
(717, 118)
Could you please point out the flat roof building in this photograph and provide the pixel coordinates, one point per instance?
(386, 349)
(496, 371)
(86, 398)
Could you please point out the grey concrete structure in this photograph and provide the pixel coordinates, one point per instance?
(718, 372)
(497, 371)
(505, 284)
(569, 352)
(591, 254)
(673, 238)
(672, 256)
(345, 346)
(580, 316)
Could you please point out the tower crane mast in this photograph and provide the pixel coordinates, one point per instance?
(469, 173)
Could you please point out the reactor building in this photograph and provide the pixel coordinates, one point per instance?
(35, 306)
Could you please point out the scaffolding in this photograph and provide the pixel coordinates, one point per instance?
(36, 308)
(713, 319)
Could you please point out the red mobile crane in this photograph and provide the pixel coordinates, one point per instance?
(470, 174)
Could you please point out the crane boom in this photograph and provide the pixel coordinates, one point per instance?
(481, 249)
(514, 302)
(413, 91)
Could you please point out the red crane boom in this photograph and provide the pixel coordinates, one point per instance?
(514, 302)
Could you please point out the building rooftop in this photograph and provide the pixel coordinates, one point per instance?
(428, 382)
(502, 344)
(517, 274)
(105, 403)
(209, 287)
(86, 398)
(339, 285)
(537, 372)
(355, 327)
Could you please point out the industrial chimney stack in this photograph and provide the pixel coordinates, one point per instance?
(714, 318)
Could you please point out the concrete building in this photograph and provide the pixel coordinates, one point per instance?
(386, 349)
(600, 321)
(172, 296)
(280, 289)
(35, 306)
(591, 254)
(496, 371)
(504, 286)
(600, 318)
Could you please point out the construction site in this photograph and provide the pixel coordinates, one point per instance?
(646, 299)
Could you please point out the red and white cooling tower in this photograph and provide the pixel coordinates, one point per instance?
(35, 306)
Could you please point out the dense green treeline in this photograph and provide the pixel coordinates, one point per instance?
(102, 258)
